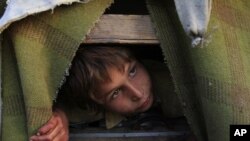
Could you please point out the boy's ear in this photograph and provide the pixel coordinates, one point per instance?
(97, 100)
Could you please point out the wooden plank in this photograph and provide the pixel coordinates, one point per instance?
(123, 29)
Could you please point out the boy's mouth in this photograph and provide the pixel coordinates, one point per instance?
(145, 103)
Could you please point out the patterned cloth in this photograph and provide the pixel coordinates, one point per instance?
(213, 79)
(36, 52)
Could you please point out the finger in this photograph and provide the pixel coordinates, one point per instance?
(62, 136)
(48, 137)
(54, 133)
(50, 125)
(33, 138)
(40, 138)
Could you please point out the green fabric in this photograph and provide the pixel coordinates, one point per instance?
(213, 79)
(36, 52)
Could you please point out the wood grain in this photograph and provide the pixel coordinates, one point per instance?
(123, 29)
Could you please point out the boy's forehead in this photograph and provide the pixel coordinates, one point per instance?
(119, 69)
(115, 74)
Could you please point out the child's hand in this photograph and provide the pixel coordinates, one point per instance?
(56, 129)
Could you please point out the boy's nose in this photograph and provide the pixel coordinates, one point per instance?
(136, 92)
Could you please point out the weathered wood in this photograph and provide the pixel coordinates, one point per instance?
(123, 29)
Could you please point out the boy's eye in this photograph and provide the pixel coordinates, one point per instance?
(115, 93)
(132, 72)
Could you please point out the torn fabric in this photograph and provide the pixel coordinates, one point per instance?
(36, 52)
(194, 16)
(18, 9)
(213, 83)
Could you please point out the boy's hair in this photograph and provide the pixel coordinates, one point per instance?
(89, 70)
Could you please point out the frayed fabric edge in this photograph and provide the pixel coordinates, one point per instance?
(9, 18)
(190, 122)
(66, 72)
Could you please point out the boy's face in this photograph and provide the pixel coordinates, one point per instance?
(128, 92)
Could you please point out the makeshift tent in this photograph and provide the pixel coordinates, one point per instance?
(211, 79)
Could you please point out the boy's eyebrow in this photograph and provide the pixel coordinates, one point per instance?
(125, 70)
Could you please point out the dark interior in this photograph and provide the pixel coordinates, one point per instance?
(146, 123)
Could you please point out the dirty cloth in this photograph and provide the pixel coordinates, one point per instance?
(212, 79)
(19, 9)
(36, 51)
(194, 16)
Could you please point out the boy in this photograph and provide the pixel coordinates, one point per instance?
(107, 78)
